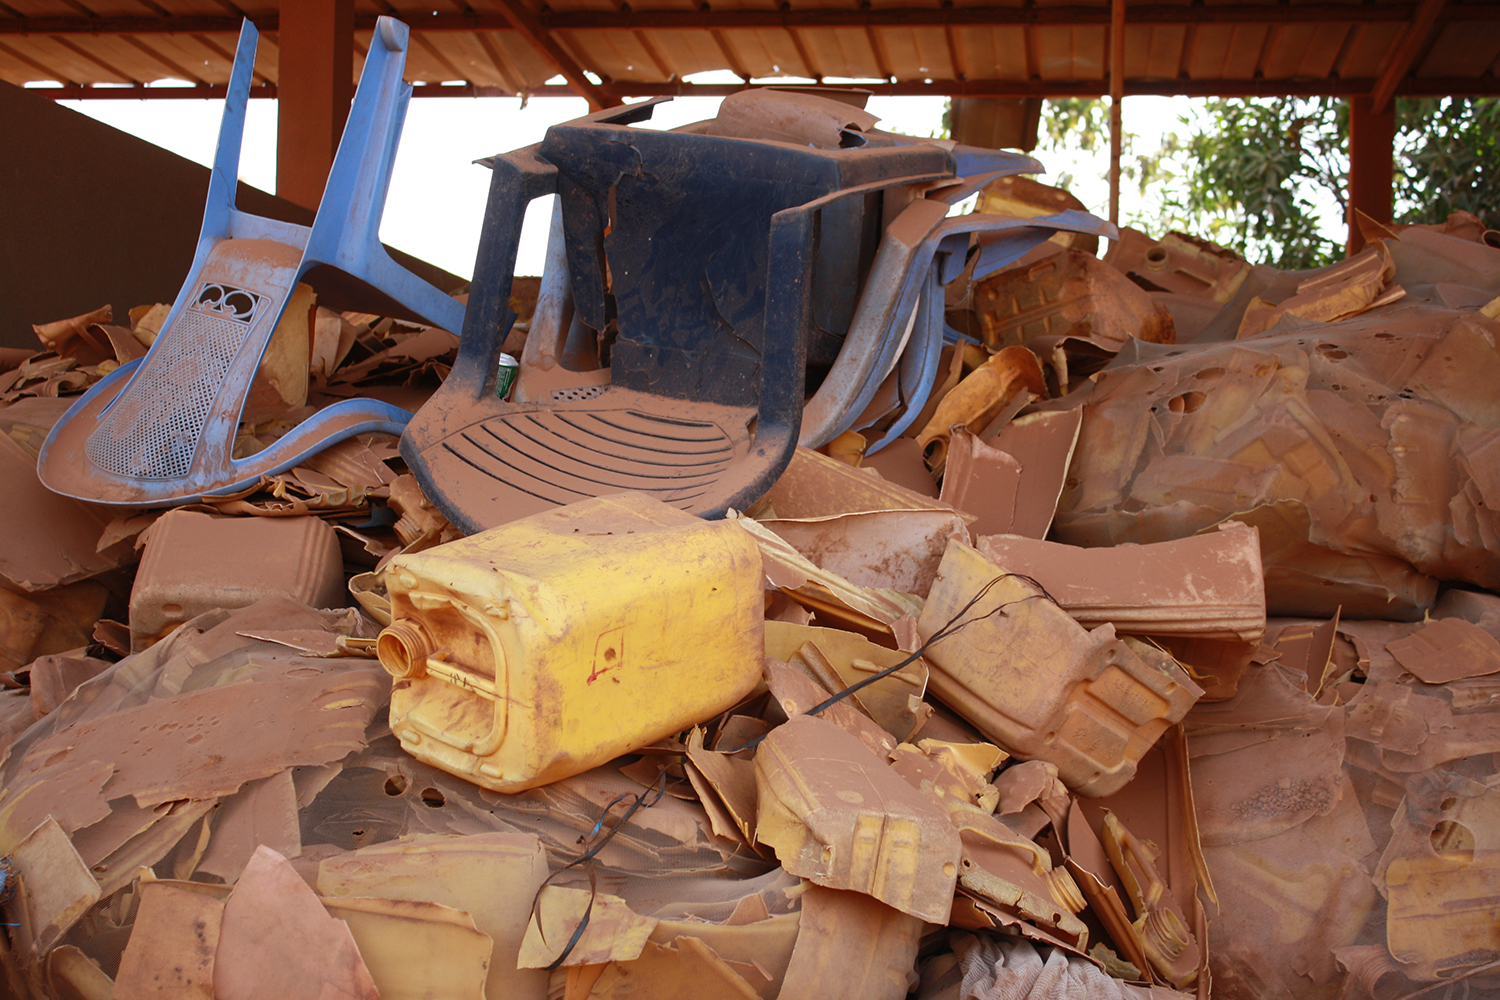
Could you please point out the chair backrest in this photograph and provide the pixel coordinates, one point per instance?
(668, 239)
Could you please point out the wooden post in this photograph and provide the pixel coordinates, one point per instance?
(1116, 95)
(315, 88)
(1372, 138)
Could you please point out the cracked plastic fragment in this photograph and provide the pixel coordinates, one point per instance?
(871, 610)
(815, 485)
(895, 550)
(254, 557)
(1070, 294)
(172, 944)
(415, 949)
(976, 400)
(1345, 289)
(1166, 936)
(493, 877)
(276, 939)
(891, 701)
(1447, 649)
(1210, 586)
(1082, 700)
(837, 815)
(56, 890)
(614, 933)
(851, 947)
(47, 540)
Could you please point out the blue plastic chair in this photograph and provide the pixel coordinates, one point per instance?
(161, 431)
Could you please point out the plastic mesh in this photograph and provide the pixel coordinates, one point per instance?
(153, 429)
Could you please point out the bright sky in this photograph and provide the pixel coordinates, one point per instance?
(436, 202)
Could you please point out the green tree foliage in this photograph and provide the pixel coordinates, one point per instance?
(1264, 176)
(1447, 159)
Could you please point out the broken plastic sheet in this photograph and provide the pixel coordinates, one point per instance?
(47, 540)
(894, 550)
(1210, 586)
(1347, 834)
(1183, 439)
(1086, 701)
(1012, 484)
(815, 485)
(1071, 294)
(823, 795)
(869, 610)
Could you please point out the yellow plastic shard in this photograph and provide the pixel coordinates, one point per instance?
(75, 976)
(1170, 945)
(687, 969)
(1014, 873)
(171, 949)
(491, 876)
(851, 947)
(731, 779)
(542, 648)
(56, 890)
(854, 658)
(976, 400)
(417, 950)
(837, 815)
(1443, 887)
(1345, 289)
(1038, 684)
(797, 694)
(765, 945)
(614, 933)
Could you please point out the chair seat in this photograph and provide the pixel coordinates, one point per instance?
(533, 458)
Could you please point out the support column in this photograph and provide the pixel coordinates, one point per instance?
(315, 86)
(1372, 142)
(1116, 95)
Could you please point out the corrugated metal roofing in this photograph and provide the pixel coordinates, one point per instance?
(974, 47)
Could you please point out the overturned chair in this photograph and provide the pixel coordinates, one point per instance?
(161, 431)
(692, 263)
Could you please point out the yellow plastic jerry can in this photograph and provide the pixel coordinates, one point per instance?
(552, 644)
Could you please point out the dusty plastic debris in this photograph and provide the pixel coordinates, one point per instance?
(894, 550)
(1067, 296)
(871, 611)
(1346, 289)
(1178, 264)
(275, 935)
(252, 558)
(1210, 586)
(542, 648)
(837, 815)
(47, 540)
(1310, 437)
(1037, 683)
(815, 485)
(851, 947)
(458, 872)
(1024, 197)
(979, 398)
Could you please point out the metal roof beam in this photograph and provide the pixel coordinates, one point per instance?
(518, 16)
(1404, 54)
(800, 17)
(1411, 87)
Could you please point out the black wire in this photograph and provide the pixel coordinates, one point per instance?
(660, 788)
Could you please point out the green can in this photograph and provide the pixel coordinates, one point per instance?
(505, 375)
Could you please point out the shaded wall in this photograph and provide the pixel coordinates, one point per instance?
(90, 214)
